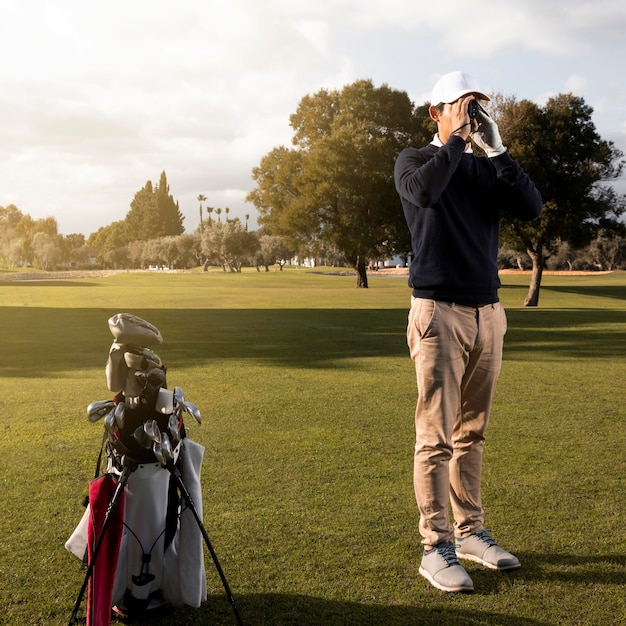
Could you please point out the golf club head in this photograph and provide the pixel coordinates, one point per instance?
(179, 396)
(109, 422)
(119, 415)
(158, 453)
(97, 410)
(142, 437)
(194, 411)
(166, 448)
(174, 427)
(152, 430)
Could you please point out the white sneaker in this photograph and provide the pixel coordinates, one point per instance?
(442, 569)
(481, 548)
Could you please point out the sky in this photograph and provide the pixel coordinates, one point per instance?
(98, 98)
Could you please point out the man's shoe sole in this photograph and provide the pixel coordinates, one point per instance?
(441, 587)
(477, 559)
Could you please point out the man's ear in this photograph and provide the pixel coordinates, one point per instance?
(434, 114)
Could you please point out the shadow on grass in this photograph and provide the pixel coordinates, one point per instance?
(617, 292)
(296, 610)
(565, 333)
(39, 282)
(601, 569)
(40, 341)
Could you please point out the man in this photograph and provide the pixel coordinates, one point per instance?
(451, 200)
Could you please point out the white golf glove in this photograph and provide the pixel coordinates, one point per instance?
(487, 136)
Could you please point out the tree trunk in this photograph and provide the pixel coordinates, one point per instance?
(361, 273)
(532, 297)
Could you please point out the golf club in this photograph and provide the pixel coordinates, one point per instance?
(179, 396)
(152, 430)
(166, 448)
(142, 437)
(119, 415)
(109, 423)
(97, 410)
(158, 453)
(194, 411)
(174, 427)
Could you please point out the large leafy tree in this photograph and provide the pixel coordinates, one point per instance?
(335, 187)
(559, 147)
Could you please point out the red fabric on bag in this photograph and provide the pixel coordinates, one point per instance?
(100, 591)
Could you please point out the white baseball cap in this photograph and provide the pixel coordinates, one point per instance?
(452, 86)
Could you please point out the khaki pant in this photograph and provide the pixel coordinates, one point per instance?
(457, 352)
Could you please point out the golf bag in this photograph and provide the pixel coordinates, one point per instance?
(141, 534)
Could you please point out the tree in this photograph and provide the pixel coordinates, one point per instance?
(74, 249)
(229, 245)
(201, 199)
(10, 238)
(153, 213)
(188, 250)
(47, 251)
(27, 229)
(140, 221)
(110, 237)
(272, 250)
(168, 211)
(336, 186)
(606, 251)
(156, 253)
(10, 217)
(559, 148)
(26, 241)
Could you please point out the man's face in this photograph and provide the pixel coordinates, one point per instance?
(443, 117)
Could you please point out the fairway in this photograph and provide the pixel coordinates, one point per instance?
(307, 395)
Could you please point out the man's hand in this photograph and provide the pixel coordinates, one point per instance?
(487, 135)
(460, 119)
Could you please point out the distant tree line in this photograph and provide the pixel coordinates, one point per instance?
(25, 242)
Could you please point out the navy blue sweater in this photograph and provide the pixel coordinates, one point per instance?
(452, 202)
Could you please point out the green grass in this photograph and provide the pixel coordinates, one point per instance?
(307, 395)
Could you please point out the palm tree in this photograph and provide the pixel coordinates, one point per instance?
(201, 199)
(247, 218)
(209, 210)
(227, 211)
(219, 213)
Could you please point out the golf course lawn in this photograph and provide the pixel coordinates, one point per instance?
(307, 396)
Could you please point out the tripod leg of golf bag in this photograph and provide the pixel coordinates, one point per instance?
(129, 468)
(174, 471)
